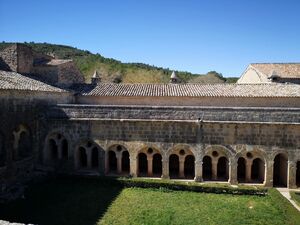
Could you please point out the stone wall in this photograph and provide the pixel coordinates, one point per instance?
(9, 59)
(68, 74)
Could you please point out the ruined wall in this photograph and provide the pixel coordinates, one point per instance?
(68, 74)
(9, 59)
(25, 59)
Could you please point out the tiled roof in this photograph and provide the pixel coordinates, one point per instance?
(16, 81)
(190, 90)
(283, 70)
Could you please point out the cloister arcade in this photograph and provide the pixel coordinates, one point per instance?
(212, 164)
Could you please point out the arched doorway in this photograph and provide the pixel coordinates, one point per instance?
(53, 149)
(125, 162)
(241, 170)
(174, 166)
(24, 146)
(189, 167)
(298, 174)
(280, 171)
(82, 157)
(112, 161)
(222, 169)
(157, 165)
(95, 158)
(258, 171)
(207, 168)
(143, 164)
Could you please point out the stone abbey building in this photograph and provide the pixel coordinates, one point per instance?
(50, 120)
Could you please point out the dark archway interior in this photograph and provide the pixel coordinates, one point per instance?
(95, 157)
(189, 167)
(207, 168)
(258, 171)
(222, 169)
(53, 149)
(241, 170)
(125, 162)
(2, 151)
(24, 147)
(112, 161)
(157, 165)
(174, 166)
(64, 147)
(280, 171)
(298, 174)
(82, 157)
(143, 164)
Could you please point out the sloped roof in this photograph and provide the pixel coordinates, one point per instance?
(283, 70)
(16, 81)
(189, 90)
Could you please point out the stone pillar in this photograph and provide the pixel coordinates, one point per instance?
(181, 168)
(165, 168)
(198, 170)
(119, 163)
(133, 166)
(106, 167)
(150, 166)
(233, 172)
(292, 167)
(248, 170)
(269, 167)
(89, 158)
(214, 169)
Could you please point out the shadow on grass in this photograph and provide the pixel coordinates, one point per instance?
(63, 201)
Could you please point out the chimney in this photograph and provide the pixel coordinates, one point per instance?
(174, 79)
(96, 78)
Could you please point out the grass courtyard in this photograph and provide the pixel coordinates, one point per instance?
(100, 201)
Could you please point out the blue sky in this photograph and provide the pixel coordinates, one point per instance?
(196, 36)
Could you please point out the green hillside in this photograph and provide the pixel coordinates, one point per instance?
(112, 70)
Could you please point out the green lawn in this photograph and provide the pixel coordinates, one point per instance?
(103, 201)
(296, 197)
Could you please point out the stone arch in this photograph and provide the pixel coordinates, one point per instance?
(258, 170)
(222, 169)
(241, 170)
(189, 167)
(207, 168)
(157, 165)
(22, 142)
(118, 160)
(89, 156)
(298, 173)
(142, 164)
(56, 147)
(280, 170)
(174, 166)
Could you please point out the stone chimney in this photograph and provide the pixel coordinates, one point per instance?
(96, 78)
(174, 79)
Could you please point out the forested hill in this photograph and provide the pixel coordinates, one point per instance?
(112, 70)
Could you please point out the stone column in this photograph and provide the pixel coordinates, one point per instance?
(119, 163)
(214, 169)
(165, 168)
(106, 167)
(133, 166)
(150, 166)
(198, 170)
(248, 170)
(233, 172)
(292, 174)
(269, 167)
(181, 168)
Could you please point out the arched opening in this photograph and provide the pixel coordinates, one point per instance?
(112, 161)
(174, 166)
(143, 164)
(157, 165)
(258, 171)
(298, 174)
(53, 149)
(82, 157)
(189, 167)
(64, 148)
(24, 146)
(125, 162)
(241, 170)
(207, 168)
(95, 157)
(222, 169)
(280, 171)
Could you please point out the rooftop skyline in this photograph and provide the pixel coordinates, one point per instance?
(194, 36)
